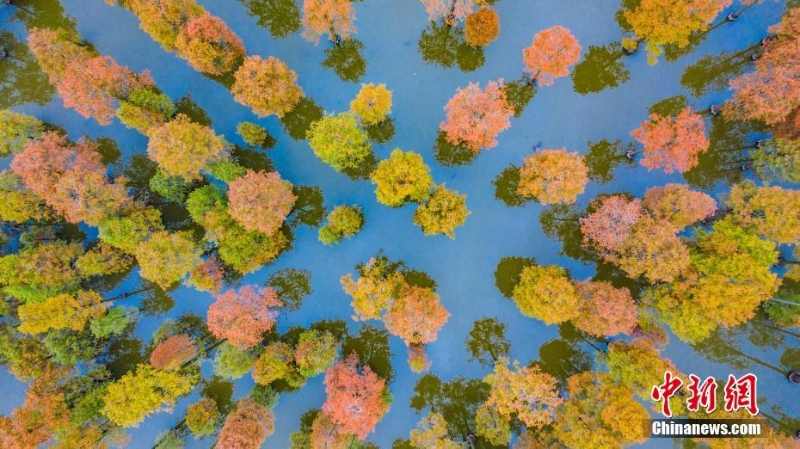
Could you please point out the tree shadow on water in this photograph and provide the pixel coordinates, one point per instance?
(445, 46)
(601, 68)
(508, 272)
(451, 155)
(280, 17)
(21, 79)
(505, 187)
(346, 60)
(381, 132)
(298, 120)
(364, 169)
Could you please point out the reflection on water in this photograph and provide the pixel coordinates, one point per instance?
(346, 59)
(297, 122)
(487, 341)
(451, 155)
(604, 156)
(602, 68)
(446, 46)
(292, 286)
(280, 17)
(21, 79)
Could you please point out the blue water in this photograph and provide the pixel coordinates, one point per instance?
(463, 268)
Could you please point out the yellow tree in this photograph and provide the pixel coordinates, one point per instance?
(373, 104)
(139, 394)
(553, 176)
(401, 178)
(524, 392)
(64, 311)
(183, 148)
(444, 211)
(547, 294)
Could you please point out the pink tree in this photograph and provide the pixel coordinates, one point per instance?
(609, 226)
(260, 201)
(550, 55)
(242, 317)
(475, 117)
(672, 143)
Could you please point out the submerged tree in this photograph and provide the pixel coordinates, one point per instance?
(166, 258)
(171, 353)
(246, 427)
(772, 212)
(356, 397)
(678, 205)
(524, 392)
(401, 178)
(550, 55)
(607, 310)
(209, 45)
(672, 143)
(63, 311)
(475, 117)
(343, 222)
(332, 17)
(444, 211)
(664, 22)
(242, 317)
(163, 20)
(266, 86)
(553, 176)
(373, 104)
(139, 394)
(260, 201)
(184, 148)
(482, 27)
(201, 417)
(547, 294)
(339, 142)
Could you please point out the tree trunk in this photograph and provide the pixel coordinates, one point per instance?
(127, 295)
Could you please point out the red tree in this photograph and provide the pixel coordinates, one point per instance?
(608, 311)
(356, 397)
(416, 315)
(55, 50)
(610, 224)
(247, 427)
(672, 143)
(94, 86)
(550, 55)
(242, 317)
(772, 92)
(172, 352)
(475, 117)
(70, 178)
(260, 201)
(209, 45)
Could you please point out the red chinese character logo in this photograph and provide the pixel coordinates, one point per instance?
(741, 393)
(665, 391)
(704, 394)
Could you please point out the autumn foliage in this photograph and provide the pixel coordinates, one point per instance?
(332, 17)
(246, 427)
(553, 176)
(260, 201)
(356, 397)
(546, 293)
(524, 392)
(163, 20)
(63, 311)
(672, 143)
(266, 86)
(475, 117)
(416, 315)
(373, 103)
(550, 55)
(482, 27)
(242, 317)
(209, 45)
(444, 211)
(606, 310)
(172, 352)
(184, 148)
(452, 11)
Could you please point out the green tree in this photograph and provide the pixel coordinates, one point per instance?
(232, 362)
(253, 134)
(201, 418)
(401, 178)
(339, 142)
(444, 211)
(126, 232)
(16, 130)
(343, 222)
(144, 109)
(315, 352)
(166, 258)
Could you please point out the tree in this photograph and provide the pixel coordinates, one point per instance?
(55, 50)
(527, 392)
(139, 394)
(201, 418)
(128, 231)
(372, 104)
(487, 341)
(184, 148)
(260, 201)
(16, 130)
(163, 20)
(431, 432)
(209, 45)
(475, 117)
(550, 55)
(103, 260)
(143, 109)
(275, 363)
(672, 143)
(778, 161)
(607, 310)
(482, 27)
(653, 250)
(638, 365)
(444, 211)
(171, 353)
(43, 413)
(356, 397)
(492, 426)
(451, 10)
(599, 414)
(665, 22)
(315, 352)
(112, 323)
(19, 204)
(416, 315)
(94, 86)
(332, 17)
(64, 311)
(546, 293)
(679, 205)
(401, 178)
(343, 222)
(771, 212)
(610, 224)
(266, 86)
(253, 134)
(769, 94)
(553, 176)
(166, 258)
(374, 290)
(207, 276)
(339, 142)
(325, 434)
(41, 271)
(231, 362)
(247, 427)
(418, 361)
(729, 278)
(242, 317)
(71, 178)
